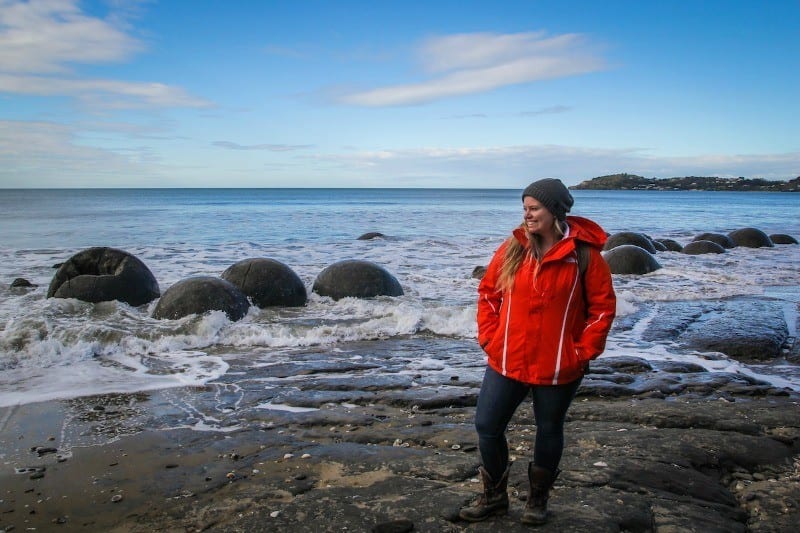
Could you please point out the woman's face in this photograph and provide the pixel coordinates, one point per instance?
(537, 218)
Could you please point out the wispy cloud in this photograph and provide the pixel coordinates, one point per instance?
(546, 111)
(509, 166)
(46, 154)
(479, 62)
(43, 42)
(268, 147)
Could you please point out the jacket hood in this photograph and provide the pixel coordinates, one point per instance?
(580, 228)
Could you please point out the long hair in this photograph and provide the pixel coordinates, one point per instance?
(516, 253)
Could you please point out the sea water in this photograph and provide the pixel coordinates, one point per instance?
(433, 239)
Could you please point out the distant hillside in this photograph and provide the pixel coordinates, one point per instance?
(632, 182)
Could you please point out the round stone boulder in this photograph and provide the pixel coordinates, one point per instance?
(630, 259)
(356, 278)
(629, 237)
(751, 238)
(659, 246)
(703, 247)
(104, 274)
(21, 283)
(267, 282)
(371, 235)
(478, 272)
(671, 245)
(719, 238)
(200, 294)
(782, 238)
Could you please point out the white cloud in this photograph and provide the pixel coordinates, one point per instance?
(42, 41)
(268, 147)
(511, 165)
(102, 94)
(44, 36)
(479, 62)
(46, 154)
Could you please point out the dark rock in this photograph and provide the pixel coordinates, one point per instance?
(782, 238)
(478, 272)
(103, 274)
(703, 247)
(659, 246)
(629, 237)
(356, 278)
(745, 328)
(630, 259)
(671, 245)
(200, 294)
(751, 238)
(371, 235)
(395, 526)
(267, 282)
(719, 238)
(21, 282)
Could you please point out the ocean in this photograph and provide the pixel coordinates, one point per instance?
(434, 238)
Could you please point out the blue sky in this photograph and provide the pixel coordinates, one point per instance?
(394, 94)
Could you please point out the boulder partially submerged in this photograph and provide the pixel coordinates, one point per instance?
(199, 294)
(103, 274)
(356, 278)
(630, 259)
(267, 282)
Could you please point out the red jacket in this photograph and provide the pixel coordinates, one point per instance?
(549, 326)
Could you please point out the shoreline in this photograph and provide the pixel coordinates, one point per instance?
(714, 464)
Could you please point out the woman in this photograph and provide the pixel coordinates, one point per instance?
(545, 306)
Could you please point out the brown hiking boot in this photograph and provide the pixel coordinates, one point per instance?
(540, 479)
(493, 501)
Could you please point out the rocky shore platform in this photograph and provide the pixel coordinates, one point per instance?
(659, 447)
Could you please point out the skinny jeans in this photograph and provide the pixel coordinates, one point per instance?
(498, 400)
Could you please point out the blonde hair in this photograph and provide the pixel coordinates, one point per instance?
(516, 253)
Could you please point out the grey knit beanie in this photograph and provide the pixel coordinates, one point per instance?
(552, 194)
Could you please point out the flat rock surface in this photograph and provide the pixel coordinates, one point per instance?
(680, 464)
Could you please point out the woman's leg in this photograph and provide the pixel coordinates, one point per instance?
(497, 401)
(550, 404)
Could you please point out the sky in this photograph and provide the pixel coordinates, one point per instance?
(346, 93)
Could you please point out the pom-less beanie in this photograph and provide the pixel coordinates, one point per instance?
(552, 194)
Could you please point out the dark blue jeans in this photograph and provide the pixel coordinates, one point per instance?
(498, 400)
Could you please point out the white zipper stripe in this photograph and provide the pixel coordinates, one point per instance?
(505, 333)
(564, 327)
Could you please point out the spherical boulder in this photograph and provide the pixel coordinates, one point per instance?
(104, 274)
(478, 272)
(782, 238)
(703, 247)
(750, 238)
(370, 235)
(630, 259)
(629, 237)
(200, 294)
(659, 246)
(267, 282)
(671, 245)
(21, 282)
(356, 278)
(719, 238)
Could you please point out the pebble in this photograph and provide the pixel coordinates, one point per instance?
(305, 456)
(288, 455)
(601, 464)
(116, 498)
(274, 514)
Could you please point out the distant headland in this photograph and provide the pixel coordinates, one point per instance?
(630, 182)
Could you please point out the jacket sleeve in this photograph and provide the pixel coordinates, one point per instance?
(601, 307)
(490, 299)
